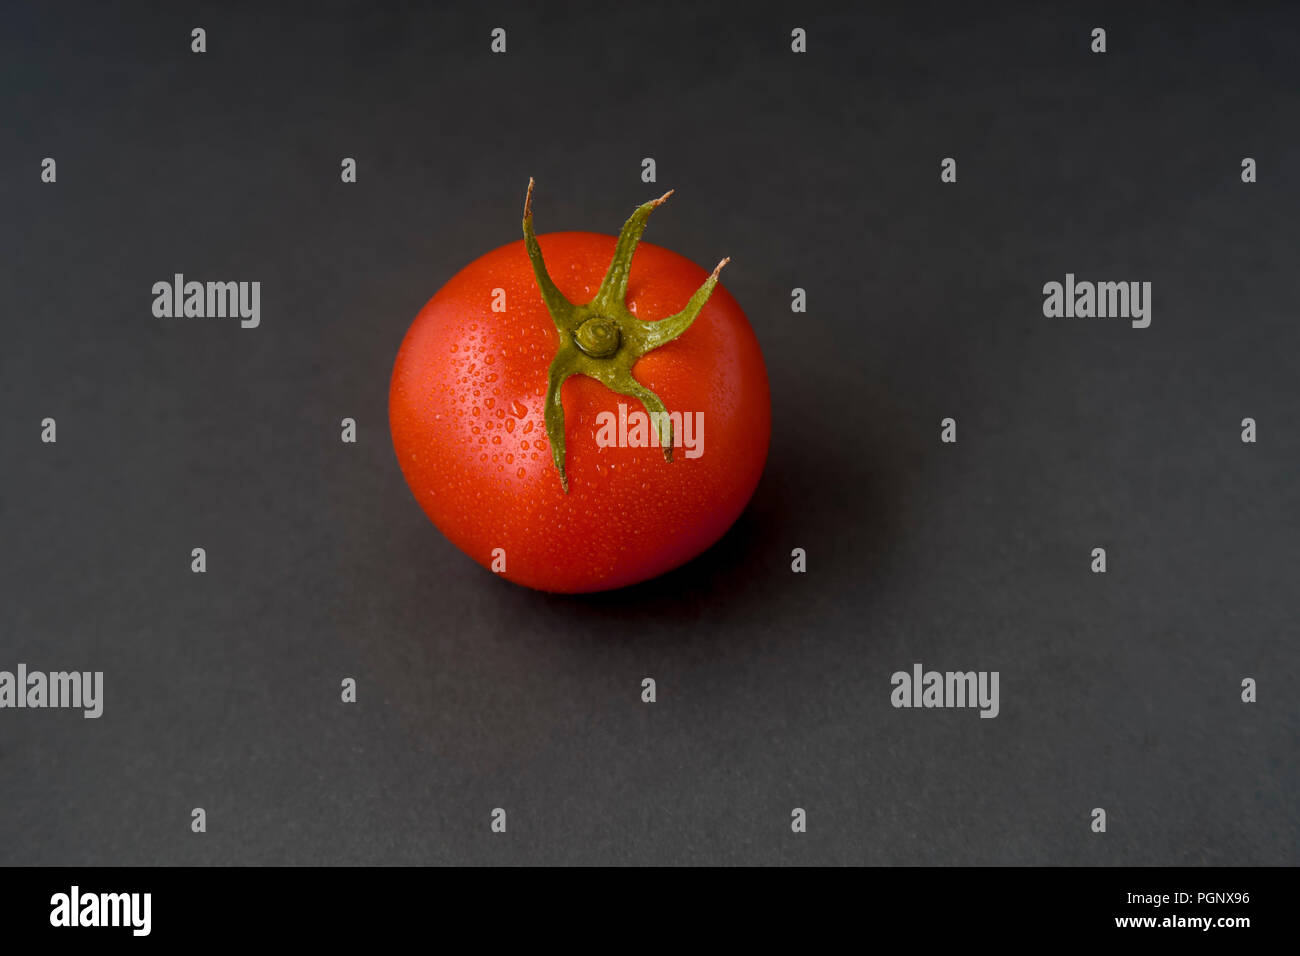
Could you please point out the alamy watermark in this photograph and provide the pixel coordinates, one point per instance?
(638, 429)
(76, 908)
(83, 690)
(1121, 300)
(208, 300)
(948, 689)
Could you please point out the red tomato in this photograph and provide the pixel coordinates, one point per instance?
(466, 409)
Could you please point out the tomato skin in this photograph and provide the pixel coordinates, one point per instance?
(466, 415)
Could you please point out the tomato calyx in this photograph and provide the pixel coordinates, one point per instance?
(603, 339)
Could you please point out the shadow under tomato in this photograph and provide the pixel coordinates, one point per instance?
(843, 504)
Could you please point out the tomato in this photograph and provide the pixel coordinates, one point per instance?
(602, 506)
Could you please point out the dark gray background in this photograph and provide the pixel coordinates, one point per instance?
(821, 171)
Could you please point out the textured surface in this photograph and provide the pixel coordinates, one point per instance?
(818, 171)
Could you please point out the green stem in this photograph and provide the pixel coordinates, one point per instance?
(602, 339)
